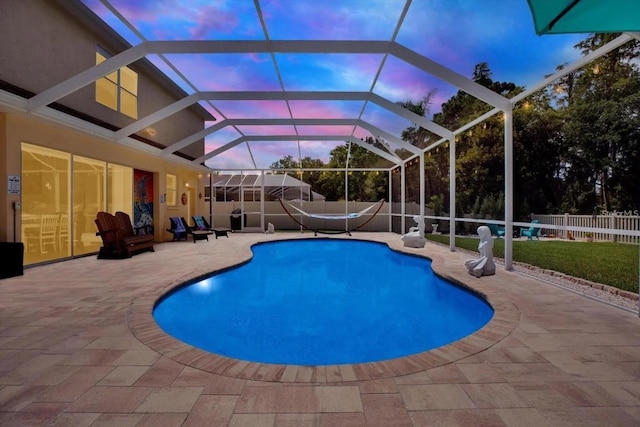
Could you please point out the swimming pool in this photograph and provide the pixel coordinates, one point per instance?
(322, 302)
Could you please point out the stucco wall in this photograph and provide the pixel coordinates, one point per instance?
(15, 129)
(43, 44)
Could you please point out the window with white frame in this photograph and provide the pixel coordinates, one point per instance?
(118, 90)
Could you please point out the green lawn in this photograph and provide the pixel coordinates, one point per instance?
(613, 264)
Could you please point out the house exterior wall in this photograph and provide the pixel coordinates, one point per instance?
(15, 129)
(43, 45)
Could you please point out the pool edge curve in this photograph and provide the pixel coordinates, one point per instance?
(505, 318)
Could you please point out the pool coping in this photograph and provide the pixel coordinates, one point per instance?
(506, 316)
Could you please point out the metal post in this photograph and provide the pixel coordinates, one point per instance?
(422, 201)
(390, 172)
(346, 198)
(261, 200)
(452, 193)
(508, 189)
(211, 199)
(402, 198)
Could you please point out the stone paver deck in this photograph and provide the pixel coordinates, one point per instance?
(79, 347)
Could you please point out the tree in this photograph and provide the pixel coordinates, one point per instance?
(310, 177)
(479, 150)
(539, 149)
(602, 128)
(363, 186)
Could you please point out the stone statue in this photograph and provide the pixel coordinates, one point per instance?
(415, 237)
(483, 266)
(270, 229)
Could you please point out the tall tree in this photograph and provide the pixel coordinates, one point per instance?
(480, 150)
(602, 129)
(363, 186)
(310, 177)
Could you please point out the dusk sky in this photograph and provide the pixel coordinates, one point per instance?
(455, 33)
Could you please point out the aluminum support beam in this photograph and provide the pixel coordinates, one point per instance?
(267, 138)
(86, 77)
(508, 189)
(452, 194)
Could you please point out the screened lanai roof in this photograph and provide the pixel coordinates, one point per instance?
(298, 78)
(278, 186)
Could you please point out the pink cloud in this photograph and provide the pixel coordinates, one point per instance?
(325, 109)
(267, 130)
(325, 130)
(227, 72)
(253, 109)
(171, 20)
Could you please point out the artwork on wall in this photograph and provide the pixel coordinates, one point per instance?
(143, 200)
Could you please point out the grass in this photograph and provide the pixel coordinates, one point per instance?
(614, 264)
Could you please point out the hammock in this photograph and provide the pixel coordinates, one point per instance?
(333, 216)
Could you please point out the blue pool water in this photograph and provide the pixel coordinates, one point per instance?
(322, 302)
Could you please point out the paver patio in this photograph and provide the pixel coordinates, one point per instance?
(78, 346)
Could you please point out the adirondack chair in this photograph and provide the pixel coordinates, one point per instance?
(496, 230)
(532, 231)
(118, 239)
(134, 242)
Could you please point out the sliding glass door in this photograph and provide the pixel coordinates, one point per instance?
(61, 195)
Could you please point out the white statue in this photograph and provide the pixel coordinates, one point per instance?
(415, 237)
(483, 266)
(270, 229)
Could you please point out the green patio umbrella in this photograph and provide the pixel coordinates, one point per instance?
(585, 16)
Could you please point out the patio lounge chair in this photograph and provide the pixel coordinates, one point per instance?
(496, 230)
(532, 231)
(118, 238)
(201, 224)
(179, 228)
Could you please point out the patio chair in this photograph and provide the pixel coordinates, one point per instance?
(118, 238)
(532, 231)
(202, 225)
(179, 228)
(496, 230)
(109, 232)
(48, 232)
(201, 229)
(63, 230)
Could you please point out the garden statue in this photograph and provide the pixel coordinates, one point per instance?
(483, 266)
(415, 237)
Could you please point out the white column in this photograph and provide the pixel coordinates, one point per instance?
(452, 193)
(402, 198)
(422, 201)
(261, 200)
(508, 189)
(390, 172)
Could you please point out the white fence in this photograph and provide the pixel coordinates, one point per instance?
(614, 228)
